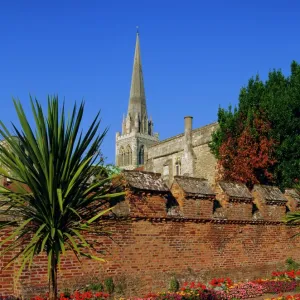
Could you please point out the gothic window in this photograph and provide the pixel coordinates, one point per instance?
(128, 123)
(150, 128)
(122, 157)
(128, 155)
(141, 155)
(145, 125)
(177, 167)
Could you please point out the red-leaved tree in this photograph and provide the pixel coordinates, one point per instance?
(247, 157)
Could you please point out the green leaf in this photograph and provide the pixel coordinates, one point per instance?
(60, 200)
(98, 216)
(50, 164)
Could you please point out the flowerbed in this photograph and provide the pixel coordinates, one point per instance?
(78, 296)
(292, 275)
(243, 291)
(225, 289)
(277, 286)
(216, 289)
(287, 297)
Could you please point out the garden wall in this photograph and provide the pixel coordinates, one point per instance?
(154, 237)
(146, 253)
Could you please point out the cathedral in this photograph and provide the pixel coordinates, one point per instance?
(138, 147)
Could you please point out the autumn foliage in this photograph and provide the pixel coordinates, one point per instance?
(258, 140)
(248, 156)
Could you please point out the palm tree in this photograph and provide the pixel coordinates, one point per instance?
(51, 202)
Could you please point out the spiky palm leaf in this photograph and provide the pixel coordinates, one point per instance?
(52, 202)
(294, 217)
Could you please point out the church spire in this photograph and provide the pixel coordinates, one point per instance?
(137, 99)
(137, 130)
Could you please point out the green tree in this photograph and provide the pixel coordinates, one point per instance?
(103, 171)
(277, 103)
(51, 204)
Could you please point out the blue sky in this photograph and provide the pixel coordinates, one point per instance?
(196, 55)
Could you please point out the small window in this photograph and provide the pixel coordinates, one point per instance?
(216, 205)
(122, 157)
(150, 128)
(254, 209)
(128, 156)
(141, 155)
(178, 167)
(166, 170)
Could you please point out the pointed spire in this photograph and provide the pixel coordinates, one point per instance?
(137, 100)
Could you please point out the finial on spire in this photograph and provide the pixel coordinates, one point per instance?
(137, 29)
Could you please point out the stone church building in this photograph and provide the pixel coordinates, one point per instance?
(137, 146)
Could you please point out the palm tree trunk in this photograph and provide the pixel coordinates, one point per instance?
(53, 279)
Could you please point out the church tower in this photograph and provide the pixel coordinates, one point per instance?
(137, 130)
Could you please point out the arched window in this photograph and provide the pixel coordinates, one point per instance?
(140, 125)
(150, 128)
(178, 167)
(145, 125)
(121, 156)
(141, 155)
(128, 155)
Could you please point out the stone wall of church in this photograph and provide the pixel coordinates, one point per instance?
(205, 163)
(168, 151)
(135, 141)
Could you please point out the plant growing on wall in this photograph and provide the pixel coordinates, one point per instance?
(50, 204)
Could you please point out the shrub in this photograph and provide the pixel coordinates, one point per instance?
(174, 285)
(109, 285)
(67, 293)
(291, 264)
(95, 287)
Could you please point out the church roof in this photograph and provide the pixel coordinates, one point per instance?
(194, 186)
(235, 189)
(137, 99)
(147, 181)
(269, 193)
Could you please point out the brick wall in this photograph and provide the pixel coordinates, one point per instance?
(197, 208)
(148, 246)
(146, 253)
(150, 205)
(7, 275)
(269, 211)
(192, 207)
(239, 210)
